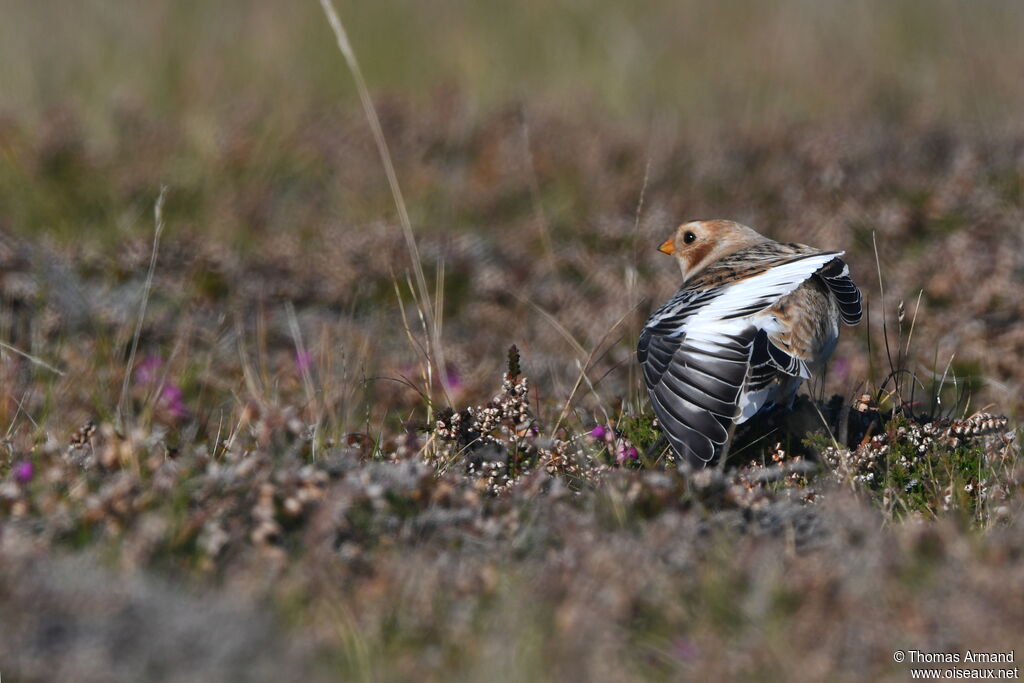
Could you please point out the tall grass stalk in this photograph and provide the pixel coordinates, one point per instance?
(158, 219)
(436, 357)
(30, 358)
(302, 363)
(632, 272)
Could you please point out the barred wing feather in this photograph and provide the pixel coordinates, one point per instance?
(698, 353)
(836, 276)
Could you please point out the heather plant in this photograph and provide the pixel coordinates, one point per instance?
(284, 435)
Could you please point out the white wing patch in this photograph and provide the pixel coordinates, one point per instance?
(769, 287)
(752, 401)
(711, 348)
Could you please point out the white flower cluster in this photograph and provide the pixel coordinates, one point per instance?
(978, 424)
(501, 441)
(506, 417)
(915, 443)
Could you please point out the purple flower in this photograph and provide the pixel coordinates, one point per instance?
(171, 399)
(453, 378)
(626, 454)
(841, 368)
(147, 370)
(303, 362)
(684, 649)
(599, 432)
(22, 472)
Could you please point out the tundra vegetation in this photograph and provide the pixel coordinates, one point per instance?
(255, 424)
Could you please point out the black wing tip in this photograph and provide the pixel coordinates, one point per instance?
(689, 455)
(836, 275)
(690, 443)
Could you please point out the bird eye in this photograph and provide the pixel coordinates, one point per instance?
(689, 237)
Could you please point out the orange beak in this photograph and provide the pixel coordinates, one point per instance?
(668, 246)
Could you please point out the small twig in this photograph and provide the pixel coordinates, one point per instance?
(726, 447)
(631, 279)
(583, 370)
(19, 411)
(824, 423)
(32, 359)
(885, 326)
(942, 382)
(913, 321)
(844, 423)
(566, 334)
(656, 448)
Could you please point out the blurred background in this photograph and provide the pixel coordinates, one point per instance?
(267, 454)
(734, 62)
(178, 92)
(543, 148)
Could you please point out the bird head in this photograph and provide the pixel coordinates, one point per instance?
(698, 244)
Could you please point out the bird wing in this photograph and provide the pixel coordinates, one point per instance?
(836, 276)
(767, 363)
(696, 352)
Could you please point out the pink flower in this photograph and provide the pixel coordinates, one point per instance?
(171, 400)
(599, 432)
(22, 472)
(303, 362)
(684, 649)
(147, 370)
(626, 454)
(841, 368)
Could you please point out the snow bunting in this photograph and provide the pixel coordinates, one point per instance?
(752, 320)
